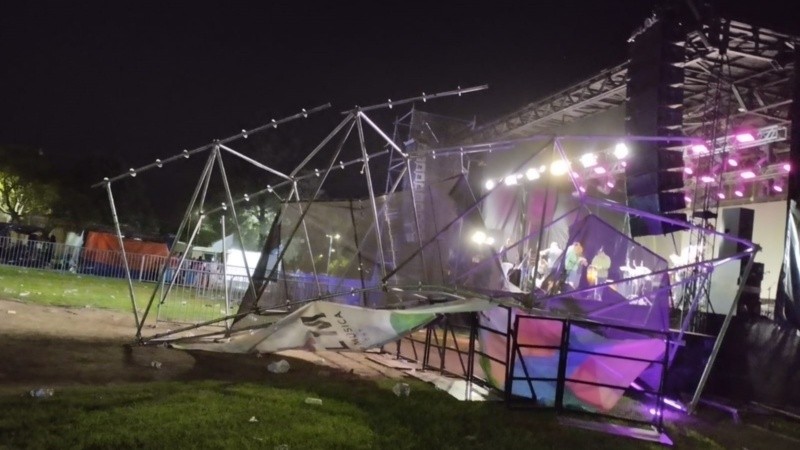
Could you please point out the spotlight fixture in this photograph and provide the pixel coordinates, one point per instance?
(747, 174)
(510, 180)
(489, 185)
(532, 174)
(777, 186)
(733, 162)
(599, 170)
(707, 179)
(721, 195)
(745, 137)
(559, 167)
(582, 189)
(687, 198)
(699, 149)
(610, 183)
(588, 160)
(739, 191)
(787, 167)
(621, 151)
(479, 237)
(688, 170)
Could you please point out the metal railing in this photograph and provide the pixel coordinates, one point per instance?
(198, 293)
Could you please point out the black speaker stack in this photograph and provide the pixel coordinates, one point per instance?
(654, 107)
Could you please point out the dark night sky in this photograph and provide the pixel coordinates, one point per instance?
(140, 79)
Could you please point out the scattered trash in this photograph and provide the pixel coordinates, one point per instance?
(253, 419)
(87, 306)
(313, 401)
(11, 311)
(401, 389)
(24, 294)
(281, 366)
(155, 364)
(7, 291)
(42, 393)
(324, 373)
(282, 447)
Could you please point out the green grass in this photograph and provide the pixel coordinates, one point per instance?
(354, 414)
(76, 290)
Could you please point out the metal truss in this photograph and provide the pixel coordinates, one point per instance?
(759, 64)
(599, 93)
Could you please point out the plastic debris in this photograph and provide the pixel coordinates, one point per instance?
(42, 393)
(281, 366)
(24, 294)
(402, 389)
(253, 419)
(155, 364)
(313, 401)
(11, 311)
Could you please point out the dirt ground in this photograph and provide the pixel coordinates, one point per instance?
(44, 346)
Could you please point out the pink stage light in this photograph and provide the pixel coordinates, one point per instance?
(733, 162)
(610, 183)
(777, 187)
(688, 170)
(599, 170)
(624, 163)
(721, 195)
(582, 189)
(739, 192)
(687, 198)
(707, 179)
(699, 148)
(787, 167)
(747, 174)
(745, 137)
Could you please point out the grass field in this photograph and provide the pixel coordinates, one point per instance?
(354, 414)
(76, 290)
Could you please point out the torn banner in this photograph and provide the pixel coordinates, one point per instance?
(331, 326)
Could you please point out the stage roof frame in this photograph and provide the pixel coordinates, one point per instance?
(760, 63)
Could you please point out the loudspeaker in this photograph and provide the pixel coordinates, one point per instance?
(654, 107)
(737, 222)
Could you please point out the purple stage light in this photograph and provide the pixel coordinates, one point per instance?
(599, 170)
(688, 170)
(747, 174)
(787, 167)
(745, 137)
(699, 148)
(582, 189)
(707, 179)
(777, 187)
(610, 183)
(739, 192)
(733, 162)
(687, 198)
(721, 195)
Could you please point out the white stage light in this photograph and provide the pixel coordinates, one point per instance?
(510, 180)
(559, 167)
(621, 151)
(479, 237)
(532, 174)
(489, 241)
(489, 185)
(589, 160)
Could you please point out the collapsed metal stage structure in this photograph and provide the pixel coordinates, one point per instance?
(424, 248)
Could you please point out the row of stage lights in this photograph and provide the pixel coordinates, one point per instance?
(591, 161)
(561, 167)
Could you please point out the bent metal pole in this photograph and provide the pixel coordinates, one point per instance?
(124, 255)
